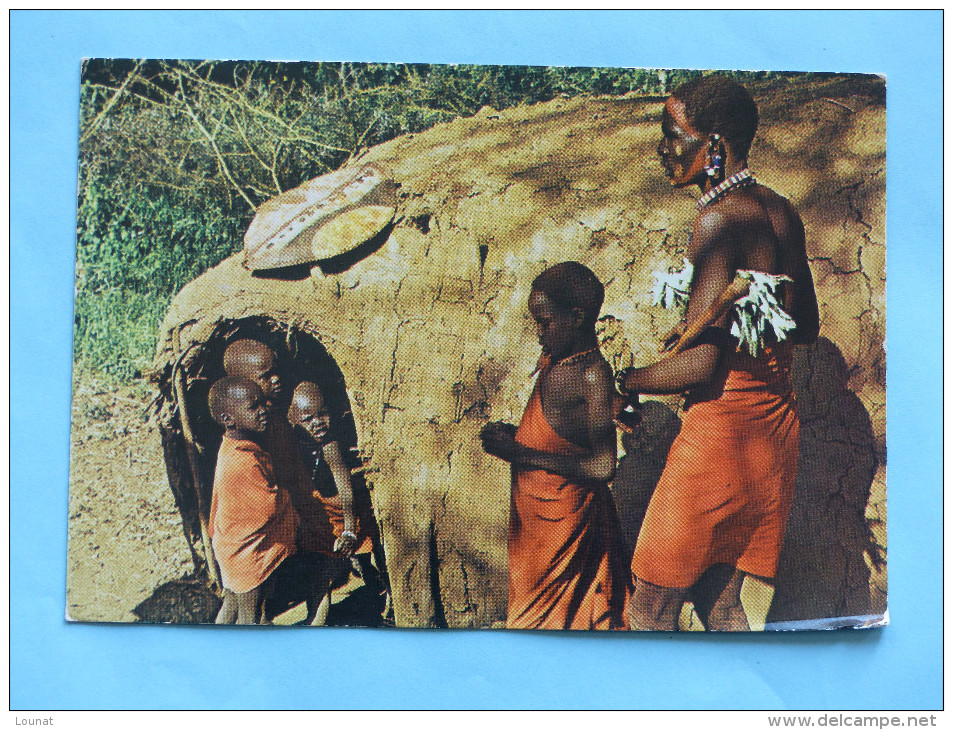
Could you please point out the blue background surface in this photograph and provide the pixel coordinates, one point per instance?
(59, 666)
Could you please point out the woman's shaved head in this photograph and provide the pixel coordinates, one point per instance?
(718, 104)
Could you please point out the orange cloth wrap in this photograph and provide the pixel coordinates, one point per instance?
(728, 483)
(252, 521)
(567, 565)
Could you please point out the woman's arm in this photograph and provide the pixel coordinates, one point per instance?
(805, 312)
(676, 374)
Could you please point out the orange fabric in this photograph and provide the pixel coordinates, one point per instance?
(252, 521)
(728, 483)
(366, 530)
(316, 534)
(567, 567)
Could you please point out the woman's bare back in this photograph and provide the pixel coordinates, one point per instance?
(763, 232)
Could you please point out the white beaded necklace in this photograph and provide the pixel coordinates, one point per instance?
(738, 180)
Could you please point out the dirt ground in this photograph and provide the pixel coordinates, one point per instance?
(126, 545)
(128, 559)
(125, 533)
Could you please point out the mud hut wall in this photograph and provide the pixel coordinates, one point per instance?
(432, 335)
(827, 155)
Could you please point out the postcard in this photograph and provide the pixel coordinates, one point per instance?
(457, 346)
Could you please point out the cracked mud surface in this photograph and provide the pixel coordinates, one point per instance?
(432, 336)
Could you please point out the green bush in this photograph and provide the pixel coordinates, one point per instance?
(135, 249)
(115, 332)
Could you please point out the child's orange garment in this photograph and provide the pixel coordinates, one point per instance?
(567, 566)
(728, 483)
(317, 533)
(367, 533)
(252, 521)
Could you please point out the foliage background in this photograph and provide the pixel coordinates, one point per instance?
(175, 157)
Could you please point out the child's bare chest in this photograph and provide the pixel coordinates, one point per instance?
(563, 405)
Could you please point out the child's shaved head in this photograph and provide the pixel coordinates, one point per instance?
(242, 354)
(307, 398)
(309, 411)
(571, 285)
(253, 360)
(228, 395)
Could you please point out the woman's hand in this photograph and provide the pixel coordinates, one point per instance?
(499, 439)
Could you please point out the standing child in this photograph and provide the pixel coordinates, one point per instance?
(252, 521)
(316, 566)
(348, 508)
(567, 564)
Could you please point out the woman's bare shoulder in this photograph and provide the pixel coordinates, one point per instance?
(785, 220)
(774, 202)
(709, 225)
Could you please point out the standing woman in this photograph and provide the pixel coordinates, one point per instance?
(721, 505)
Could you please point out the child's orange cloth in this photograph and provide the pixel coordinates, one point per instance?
(252, 521)
(366, 531)
(316, 532)
(728, 483)
(566, 558)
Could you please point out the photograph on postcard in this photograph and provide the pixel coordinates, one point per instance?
(459, 346)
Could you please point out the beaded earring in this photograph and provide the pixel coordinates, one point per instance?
(715, 162)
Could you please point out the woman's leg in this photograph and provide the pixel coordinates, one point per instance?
(228, 613)
(249, 606)
(654, 608)
(727, 613)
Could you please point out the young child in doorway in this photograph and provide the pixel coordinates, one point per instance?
(349, 507)
(315, 566)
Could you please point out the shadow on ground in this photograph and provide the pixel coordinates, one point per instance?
(188, 600)
(191, 601)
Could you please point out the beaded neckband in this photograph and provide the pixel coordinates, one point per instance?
(738, 180)
(575, 358)
(546, 362)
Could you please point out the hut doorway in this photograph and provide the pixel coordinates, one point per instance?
(191, 439)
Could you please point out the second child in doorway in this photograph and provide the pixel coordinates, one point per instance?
(349, 507)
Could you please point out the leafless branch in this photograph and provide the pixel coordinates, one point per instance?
(223, 166)
(98, 119)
